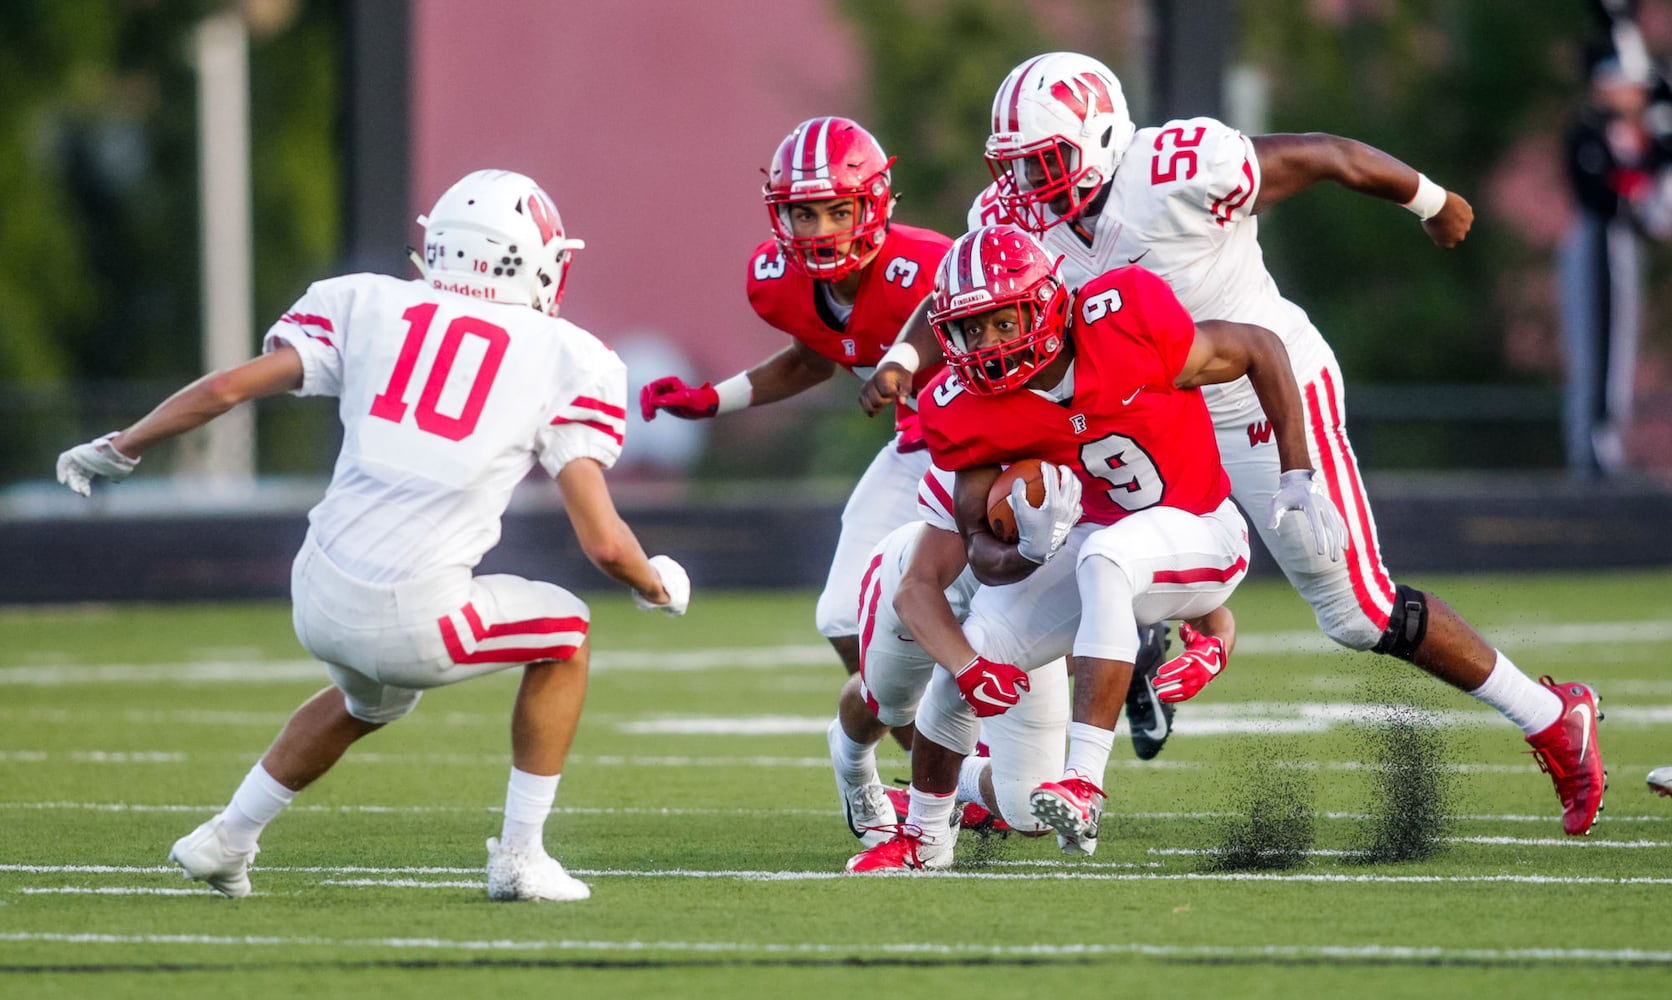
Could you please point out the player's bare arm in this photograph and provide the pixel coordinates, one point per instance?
(920, 598)
(211, 396)
(791, 371)
(1224, 351)
(915, 347)
(605, 538)
(1292, 162)
(994, 562)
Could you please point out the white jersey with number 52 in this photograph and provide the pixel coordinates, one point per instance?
(1181, 205)
(447, 402)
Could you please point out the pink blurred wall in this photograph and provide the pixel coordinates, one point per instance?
(648, 122)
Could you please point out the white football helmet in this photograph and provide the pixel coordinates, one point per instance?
(496, 235)
(1060, 127)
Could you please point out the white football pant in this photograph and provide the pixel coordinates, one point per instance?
(884, 498)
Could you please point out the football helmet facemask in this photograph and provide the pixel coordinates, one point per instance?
(1060, 127)
(828, 158)
(988, 269)
(496, 235)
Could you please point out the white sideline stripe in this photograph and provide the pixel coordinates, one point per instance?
(711, 811)
(77, 890)
(256, 671)
(1060, 871)
(1053, 950)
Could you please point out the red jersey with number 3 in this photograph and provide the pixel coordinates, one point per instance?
(1134, 439)
(900, 276)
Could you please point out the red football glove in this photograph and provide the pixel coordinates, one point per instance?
(672, 394)
(991, 688)
(1187, 673)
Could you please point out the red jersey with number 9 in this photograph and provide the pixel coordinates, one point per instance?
(1134, 439)
(900, 276)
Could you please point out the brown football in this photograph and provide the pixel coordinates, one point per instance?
(1000, 516)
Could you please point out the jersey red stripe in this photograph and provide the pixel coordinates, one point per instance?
(1361, 505)
(456, 650)
(307, 319)
(588, 403)
(527, 626)
(1355, 571)
(868, 616)
(1201, 574)
(619, 437)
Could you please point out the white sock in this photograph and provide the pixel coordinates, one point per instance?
(856, 763)
(528, 801)
(932, 814)
(1524, 701)
(1088, 752)
(258, 799)
(969, 781)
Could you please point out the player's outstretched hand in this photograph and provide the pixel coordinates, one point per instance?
(1297, 491)
(889, 383)
(1040, 531)
(1180, 678)
(675, 581)
(97, 459)
(1448, 228)
(991, 688)
(684, 401)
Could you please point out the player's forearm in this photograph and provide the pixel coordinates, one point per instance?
(1290, 164)
(618, 555)
(1273, 380)
(995, 563)
(926, 615)
(785, 374)
(209, 397)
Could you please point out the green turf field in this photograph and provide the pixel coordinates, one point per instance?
(699, 805)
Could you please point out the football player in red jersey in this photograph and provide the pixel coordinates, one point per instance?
(1104, 386)
(1184, 198)
(839, 277)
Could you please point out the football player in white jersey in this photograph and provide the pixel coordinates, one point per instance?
(1182, 200)
(451, 389)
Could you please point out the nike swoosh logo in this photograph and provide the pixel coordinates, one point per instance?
(1134, 260)
(982, 695)
(1158, 731)
(1134, 395)
(1585, 740)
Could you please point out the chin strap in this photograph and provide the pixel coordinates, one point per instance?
(418, 262)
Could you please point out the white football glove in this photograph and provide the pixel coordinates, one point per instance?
(1041, 530)
(675, 581)
(1297, 491)
(78, 467)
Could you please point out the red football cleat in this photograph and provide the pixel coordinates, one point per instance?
(907, 851)
(1567, 751)
(972, 817)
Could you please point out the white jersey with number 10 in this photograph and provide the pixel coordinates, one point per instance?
(447, 403)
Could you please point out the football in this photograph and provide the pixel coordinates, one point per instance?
(1000, 515)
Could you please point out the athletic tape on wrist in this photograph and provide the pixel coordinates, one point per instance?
(904, 355)
(1428, 200)
(735, 393)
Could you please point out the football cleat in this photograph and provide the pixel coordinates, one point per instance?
(1149, 718)
(869, 809)
(204, 856)
(1660, 781)
(908, 850)
(531, 874)
(1072, 807)
(1567, 751)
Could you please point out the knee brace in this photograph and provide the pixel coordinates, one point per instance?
(1407, 624)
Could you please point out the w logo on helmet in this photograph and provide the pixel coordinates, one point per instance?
(544, 214)
(1084, 93)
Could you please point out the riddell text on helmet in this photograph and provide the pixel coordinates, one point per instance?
(462, 289)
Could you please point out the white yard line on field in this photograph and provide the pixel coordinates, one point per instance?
(1059, 871)
(1374, 954)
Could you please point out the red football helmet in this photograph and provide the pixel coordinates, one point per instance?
(830, 158)
(987, 269)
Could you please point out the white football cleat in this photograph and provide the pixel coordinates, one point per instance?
(871, 815)
(204, 856)
(1660, 781)
(530, 875)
